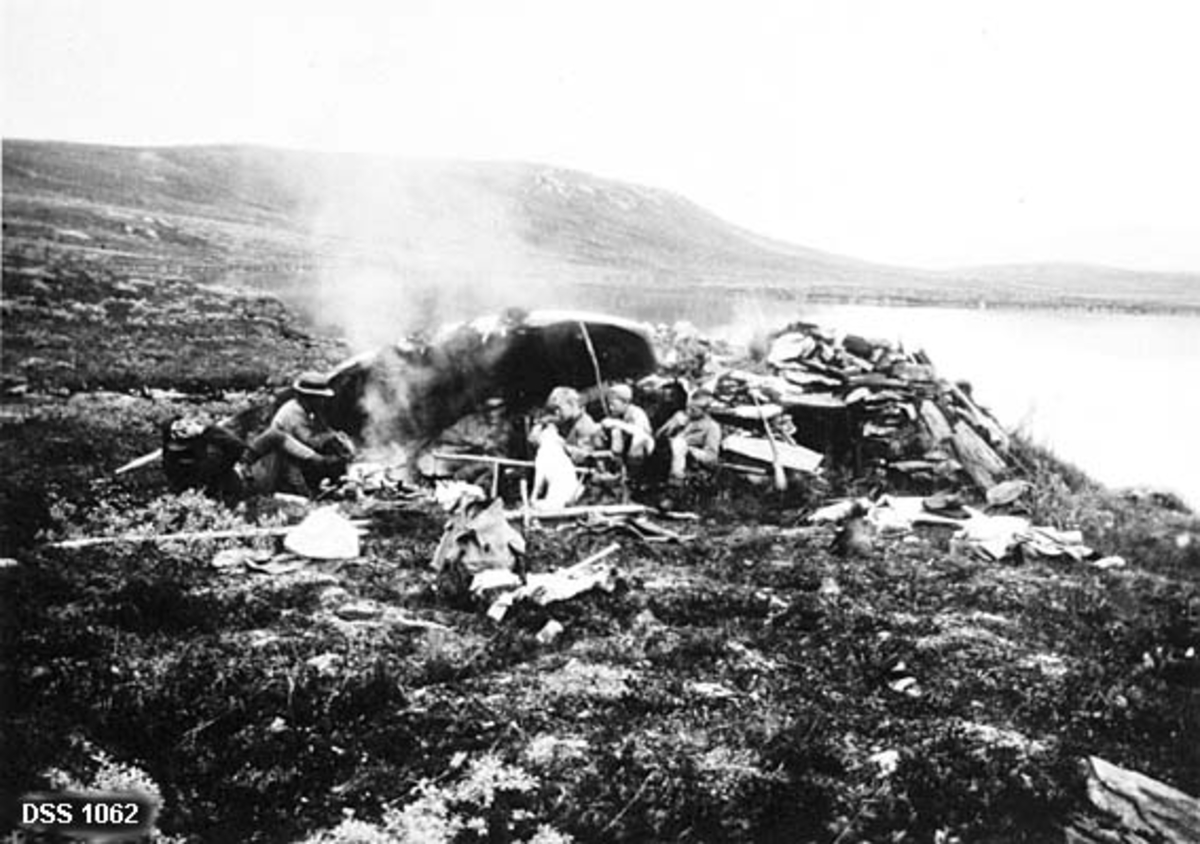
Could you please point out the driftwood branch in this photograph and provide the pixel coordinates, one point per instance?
(139, 462)
(187, 536)
(594, 558)
(576, 512)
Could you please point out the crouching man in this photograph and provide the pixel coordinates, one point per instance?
(299, 449)
(693, 435)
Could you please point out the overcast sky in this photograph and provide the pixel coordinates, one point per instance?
(931, 134)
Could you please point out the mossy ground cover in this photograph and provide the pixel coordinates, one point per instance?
(745, 686)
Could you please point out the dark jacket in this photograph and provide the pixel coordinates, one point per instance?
(205, 462)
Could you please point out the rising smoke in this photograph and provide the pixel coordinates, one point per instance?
(406, 246)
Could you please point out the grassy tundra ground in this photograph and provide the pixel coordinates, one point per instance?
(744, 686)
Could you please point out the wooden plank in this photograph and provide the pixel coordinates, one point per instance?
(979, 447)
(822, 401)
(793, 457)
(592, 560)
(481, 458)
(977, 457)
(935, 421)
(808, 379)
(647, 526)
(577, 512)
(877, 381)
(980, 419)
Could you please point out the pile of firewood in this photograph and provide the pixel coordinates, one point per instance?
(898, 412)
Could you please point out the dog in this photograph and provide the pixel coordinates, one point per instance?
(555, 482)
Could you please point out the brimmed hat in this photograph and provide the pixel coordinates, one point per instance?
(313, 384)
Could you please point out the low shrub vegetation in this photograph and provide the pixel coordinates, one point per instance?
(748, 685)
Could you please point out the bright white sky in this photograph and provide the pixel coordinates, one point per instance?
(920, 132)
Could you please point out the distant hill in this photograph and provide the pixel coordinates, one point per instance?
(308, 224)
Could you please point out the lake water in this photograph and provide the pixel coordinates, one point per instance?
(1118, 395)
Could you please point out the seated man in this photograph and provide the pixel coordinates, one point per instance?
(582, 436)
(694, 436)
(630, 437)
(299, 449)
(203, 456)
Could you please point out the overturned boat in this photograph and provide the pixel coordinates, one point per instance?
(412, 391)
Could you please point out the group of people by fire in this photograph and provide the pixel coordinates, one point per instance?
(574, 451)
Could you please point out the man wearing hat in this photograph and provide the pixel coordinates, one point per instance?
(299, 449)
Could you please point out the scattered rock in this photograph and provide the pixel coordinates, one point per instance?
(359, 611)
(545, 749)
(990, 736)
(1008, 492)
(231, 558)
(750, 659)
(712, 691)
(588, 680)
(325, 663)
(1051, 666)
(645, 621)
(550, 631)
(887, 761)
(829, 588)
(333, 597)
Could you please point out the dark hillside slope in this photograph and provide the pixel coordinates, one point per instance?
(456, 223)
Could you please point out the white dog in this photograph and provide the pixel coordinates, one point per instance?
(555, 482)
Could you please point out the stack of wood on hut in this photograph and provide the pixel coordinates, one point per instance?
(809, 397)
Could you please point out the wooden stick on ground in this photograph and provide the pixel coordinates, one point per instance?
(238, 533)
(139, 462)
(597, 557)
(576, 512)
